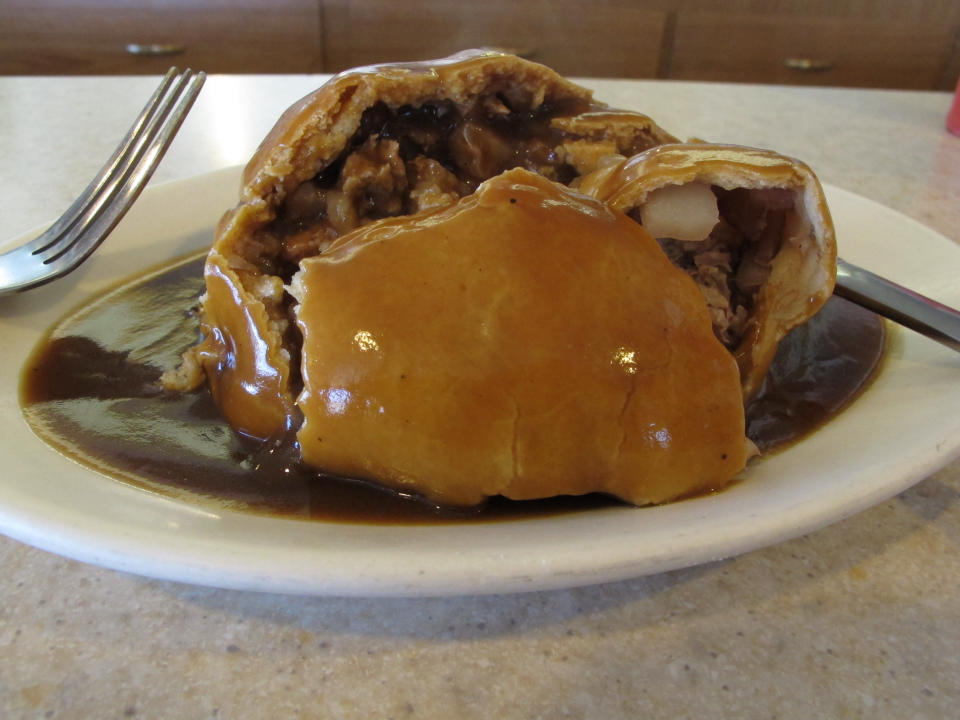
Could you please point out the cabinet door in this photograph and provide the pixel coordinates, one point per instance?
(104, 36)
(603, 38)
(815, 51)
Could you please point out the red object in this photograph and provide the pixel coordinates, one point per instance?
(953, 117)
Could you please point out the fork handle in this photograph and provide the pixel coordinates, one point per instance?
(901, 305)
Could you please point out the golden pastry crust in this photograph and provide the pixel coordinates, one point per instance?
(799, 274)
(527, 341)
(378, 141)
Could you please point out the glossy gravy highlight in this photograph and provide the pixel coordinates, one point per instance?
(91, 390)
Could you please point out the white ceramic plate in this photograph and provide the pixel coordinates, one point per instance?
(902, 429)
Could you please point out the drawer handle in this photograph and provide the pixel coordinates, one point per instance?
(154, 49)
(809, 64)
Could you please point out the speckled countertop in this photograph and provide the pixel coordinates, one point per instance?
(859, 619)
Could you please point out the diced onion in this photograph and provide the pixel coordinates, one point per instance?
(681, 212)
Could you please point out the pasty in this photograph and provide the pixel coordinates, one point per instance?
(751, 227)
(526, 341)
(372, 143)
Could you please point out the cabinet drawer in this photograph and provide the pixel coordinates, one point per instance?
(816, 51)
(43, 37)
(605, 38)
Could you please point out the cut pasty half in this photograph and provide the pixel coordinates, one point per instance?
(373, 143)
(751, 227)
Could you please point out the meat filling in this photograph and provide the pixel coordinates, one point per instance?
(731, 263)
(401, 161)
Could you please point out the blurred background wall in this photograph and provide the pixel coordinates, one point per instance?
(869, 43)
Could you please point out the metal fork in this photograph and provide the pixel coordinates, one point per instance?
(98, 209)
(900, 304)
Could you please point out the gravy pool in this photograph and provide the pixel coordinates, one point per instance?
(90, 390)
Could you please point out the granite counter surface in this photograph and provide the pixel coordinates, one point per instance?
(859, 619)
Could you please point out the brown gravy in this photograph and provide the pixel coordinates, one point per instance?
(91, 390)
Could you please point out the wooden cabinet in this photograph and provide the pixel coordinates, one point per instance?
(147, 36)
(871, 43)
(603, 38)
(815, 51)
(866, 43)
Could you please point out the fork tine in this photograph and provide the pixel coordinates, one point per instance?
(107, 207)
(72, 214)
